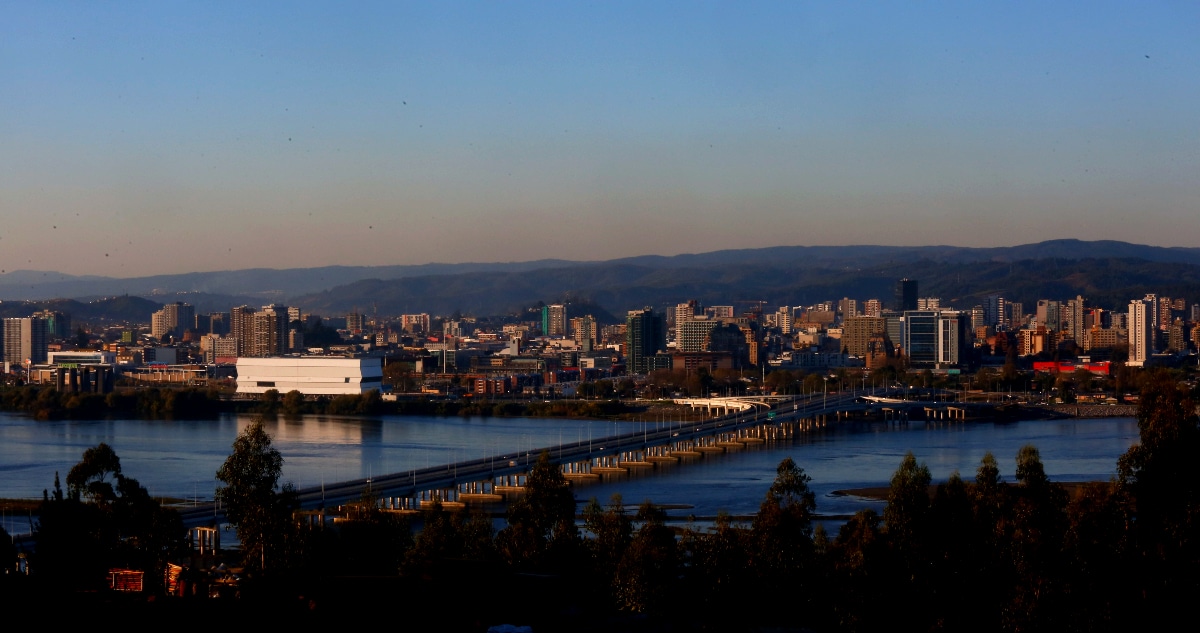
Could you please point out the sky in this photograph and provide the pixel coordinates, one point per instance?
(167, 137)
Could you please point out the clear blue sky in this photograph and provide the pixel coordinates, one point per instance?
(157, 137)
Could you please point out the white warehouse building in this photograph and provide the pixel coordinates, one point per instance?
(310, 375)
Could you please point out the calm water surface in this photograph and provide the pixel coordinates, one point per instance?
(180, 458)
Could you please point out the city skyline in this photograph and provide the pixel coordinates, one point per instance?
(146, 139)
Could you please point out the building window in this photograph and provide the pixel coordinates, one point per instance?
(266, 383)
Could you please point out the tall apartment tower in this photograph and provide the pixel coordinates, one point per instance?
(685, 312)
(1074, 319)
(269, 332)
(584, 332)
(848, 307)
(554, 320)
(173, 319)
(1141, 331)
(241, 328)
(25, 340)
(415, 323)
(1165, 317)
(1152, 306)
(995, 312)
(1049, 314)
(354, 322)
(645, 336)
(1016, 315)
(783, 319)
(906, 295)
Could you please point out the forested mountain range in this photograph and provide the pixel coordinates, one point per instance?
(1108, 274)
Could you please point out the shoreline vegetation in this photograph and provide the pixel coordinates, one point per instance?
(47, 403)
(1074, 490)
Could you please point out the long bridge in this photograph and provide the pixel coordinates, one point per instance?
(736, 422)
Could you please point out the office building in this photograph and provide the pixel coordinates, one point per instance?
(58, 324)
(995, 312)
(934, 339)
(645, 337)
(906, 295)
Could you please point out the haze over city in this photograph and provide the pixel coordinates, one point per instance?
(143, 138)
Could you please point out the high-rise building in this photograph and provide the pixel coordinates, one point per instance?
(783, 319)
(951, 341)
(685, 312)
(241, 327)
(1049, 314)
(872, 308)
(1141, 331)
(584, 332)
(906, 295)
(25, 340)
(1073, 320)
(978, 317)
(554, 320)
(173, 319)
(415, 323)
(58, 324)
(719, 312)
(920, 340)
(1152, 310)
(848, 307)
(692, 335)
(354, 323)
(1016, 315)
(645, 337)
(857, 333)
(995, 312)
(1163, 318)
(934, 338)
(1177, 337)
(259, 333)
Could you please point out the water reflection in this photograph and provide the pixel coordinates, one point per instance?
(180, 458)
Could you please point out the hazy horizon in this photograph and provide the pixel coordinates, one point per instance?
(144, 138)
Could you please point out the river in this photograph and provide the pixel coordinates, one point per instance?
(180, 458)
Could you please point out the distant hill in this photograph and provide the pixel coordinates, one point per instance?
(1107, 273)
(1106, 282)
(261, 285)
(114, 309)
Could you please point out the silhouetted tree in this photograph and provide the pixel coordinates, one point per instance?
(252, 498)
(541, 531)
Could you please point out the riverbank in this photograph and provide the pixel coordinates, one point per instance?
(1074, 490)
